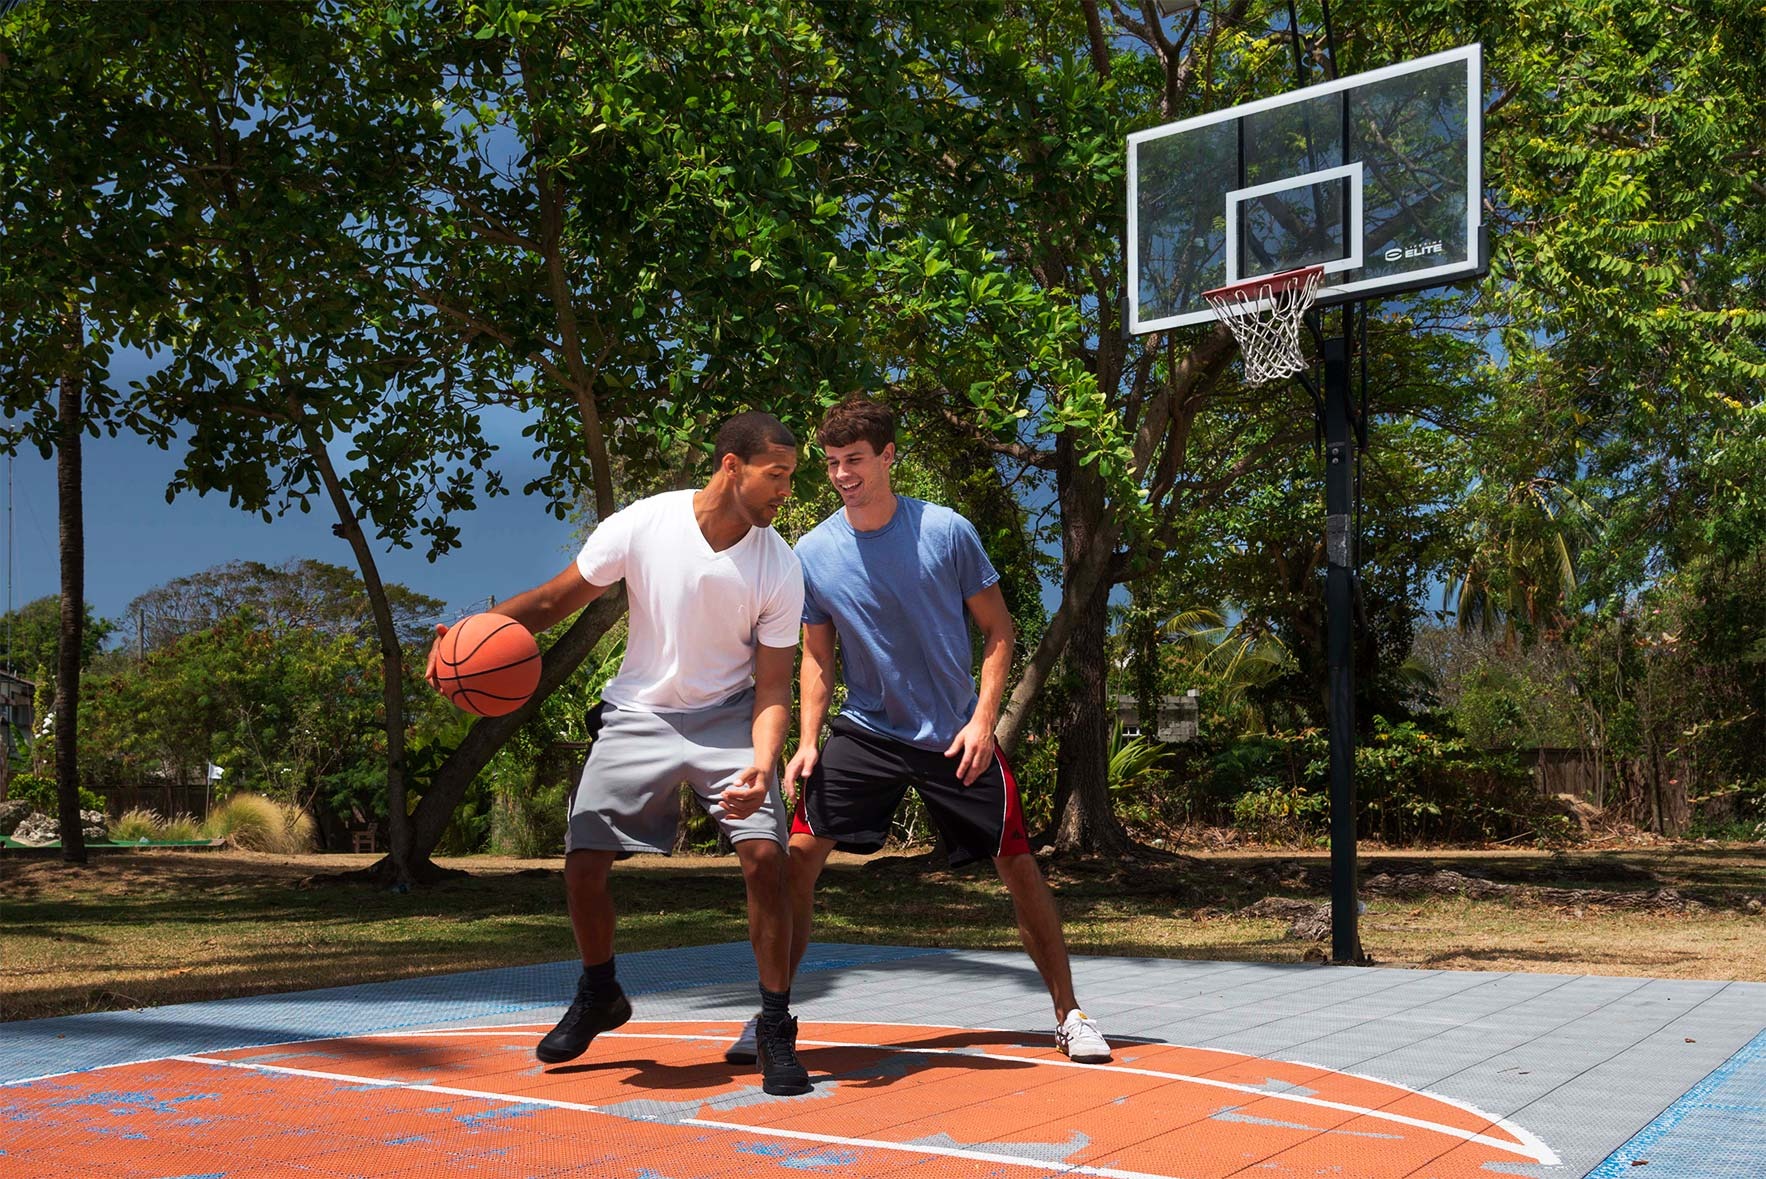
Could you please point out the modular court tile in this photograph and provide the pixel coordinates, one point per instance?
(928, 1064)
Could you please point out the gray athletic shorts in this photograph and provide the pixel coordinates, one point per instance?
(626, 799)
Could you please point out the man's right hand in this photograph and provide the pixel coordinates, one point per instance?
(429, 670)
(801, 765)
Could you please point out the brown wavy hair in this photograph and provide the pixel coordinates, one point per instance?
(857, 419)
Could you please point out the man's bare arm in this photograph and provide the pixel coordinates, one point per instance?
(772, 717)
(816, 682)
(538, 609)
(988, 608)
(545, 606)
(815, 693)
(772, 702)
(974, 743)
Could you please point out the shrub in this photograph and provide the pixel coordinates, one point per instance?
(1273, 813)
(1414, 785)
(39, 792)
(1410, 785)
(252, 822)
(1133, 768)
(531, 801)
(1733, 811)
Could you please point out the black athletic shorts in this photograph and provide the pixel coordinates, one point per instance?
(861, 778)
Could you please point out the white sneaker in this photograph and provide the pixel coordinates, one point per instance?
(744, 1051)
(1079, 1037)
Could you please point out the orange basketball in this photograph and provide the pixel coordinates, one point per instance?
(487, 664)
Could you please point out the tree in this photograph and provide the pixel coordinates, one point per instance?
(304, 592)
(70, 639)
(290, 134)
(358, 269)
(285, 708)
(30, 636)
(1016, 198)
(672, 173)
(72, 288)
(1587, 262)
(1628, 218)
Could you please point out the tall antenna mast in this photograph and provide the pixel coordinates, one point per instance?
(11, 462)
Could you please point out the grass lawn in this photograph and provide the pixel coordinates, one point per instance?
(143, 928)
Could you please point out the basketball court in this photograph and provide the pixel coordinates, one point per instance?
(925, 1063)
(932, 1064)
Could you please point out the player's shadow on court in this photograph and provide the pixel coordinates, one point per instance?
(862, 1067)
(713, 1072)
(866, 1068)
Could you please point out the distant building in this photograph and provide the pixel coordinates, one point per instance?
(16, 697)
(1178, 718)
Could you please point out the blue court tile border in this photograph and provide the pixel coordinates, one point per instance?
(71, 1043)
(1717, 1130)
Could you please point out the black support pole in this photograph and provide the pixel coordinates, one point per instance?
(1340, 621)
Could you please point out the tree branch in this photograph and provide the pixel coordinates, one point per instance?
(1029, 455)
(486, 226)
(1094, 32)
(539, 359)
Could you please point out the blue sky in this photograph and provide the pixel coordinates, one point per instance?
(135, 540)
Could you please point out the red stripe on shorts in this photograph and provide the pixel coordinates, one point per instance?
(1013, 841)
(800, 813)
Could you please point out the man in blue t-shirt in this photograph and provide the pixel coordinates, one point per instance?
(893, 582)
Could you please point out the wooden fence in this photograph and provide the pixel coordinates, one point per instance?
(1649, 792)
(165, 798)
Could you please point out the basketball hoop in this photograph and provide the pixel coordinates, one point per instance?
(1265, 315)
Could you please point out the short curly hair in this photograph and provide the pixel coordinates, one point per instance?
(749, 434)
(857, 419)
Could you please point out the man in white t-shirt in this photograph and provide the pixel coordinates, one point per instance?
(702, 696)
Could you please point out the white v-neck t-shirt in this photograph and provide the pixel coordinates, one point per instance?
(696, 614)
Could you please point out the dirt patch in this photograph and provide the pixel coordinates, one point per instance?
(1449, 883)
(1308, 921)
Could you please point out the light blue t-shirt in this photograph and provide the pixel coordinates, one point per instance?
(895, 597)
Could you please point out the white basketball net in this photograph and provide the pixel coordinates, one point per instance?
(1265, 315)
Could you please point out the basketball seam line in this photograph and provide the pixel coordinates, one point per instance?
(454, 674)
(452, 662)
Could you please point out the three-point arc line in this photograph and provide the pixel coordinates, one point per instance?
(1527, 1145)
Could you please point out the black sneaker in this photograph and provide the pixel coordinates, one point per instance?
(782, 1074)
(589, 1015)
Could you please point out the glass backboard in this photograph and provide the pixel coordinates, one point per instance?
(1377, 177)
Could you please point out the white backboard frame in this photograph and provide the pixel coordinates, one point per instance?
(1471, 56)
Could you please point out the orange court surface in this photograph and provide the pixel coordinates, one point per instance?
(925, 1064)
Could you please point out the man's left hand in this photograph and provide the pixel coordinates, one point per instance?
(745, 795)
(974, 746)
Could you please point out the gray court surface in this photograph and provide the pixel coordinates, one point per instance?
(1613, 1074)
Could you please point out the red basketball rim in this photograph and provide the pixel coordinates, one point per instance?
(1266, 286)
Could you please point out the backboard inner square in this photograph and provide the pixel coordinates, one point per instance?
(1309, 220)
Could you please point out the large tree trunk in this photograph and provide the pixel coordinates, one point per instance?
(1084, 820)
(69, 412)
(392, 663)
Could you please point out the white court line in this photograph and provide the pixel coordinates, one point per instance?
(804, 1136)
(947, 1151)
(1528, 1146)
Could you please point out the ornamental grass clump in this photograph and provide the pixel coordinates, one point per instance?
(252, 822)
(134, 826)
(181, 829)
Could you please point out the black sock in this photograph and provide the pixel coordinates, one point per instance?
(600, 978)
(775, 1002)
